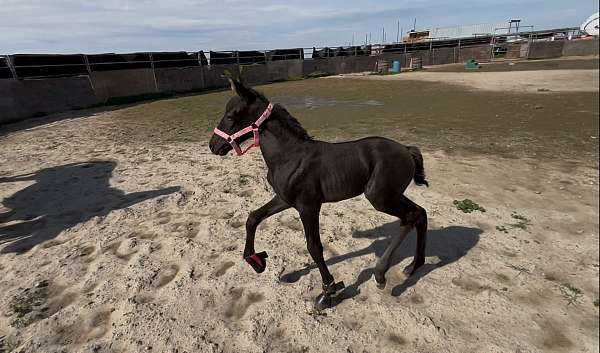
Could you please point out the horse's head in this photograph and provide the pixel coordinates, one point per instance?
(241, 111)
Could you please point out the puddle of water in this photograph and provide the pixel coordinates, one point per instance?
(312, 102)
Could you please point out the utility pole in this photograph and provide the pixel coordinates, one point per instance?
(398, 32)
(415, 25)
(383, 35)
(366, 39)
(352, 39)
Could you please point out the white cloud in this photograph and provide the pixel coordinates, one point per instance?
(128, 25)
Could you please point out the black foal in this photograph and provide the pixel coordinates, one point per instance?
(306, 173)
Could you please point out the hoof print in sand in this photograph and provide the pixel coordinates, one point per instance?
(240, 304)
(114, 250)
(80, 332)
(186, 229)
(223, 268)
(165, 275)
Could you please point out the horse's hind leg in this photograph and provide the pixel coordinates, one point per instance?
(383, 264)
(411, 215)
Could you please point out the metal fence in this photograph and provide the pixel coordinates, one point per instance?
(30, 66)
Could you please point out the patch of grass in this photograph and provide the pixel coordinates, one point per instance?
(244, 180)
(519, 269)
(468, 206)
(502, 229)
(136, 98)
(316, 313)
(383, 73)
(522, 221)
(316, 74)
(597, 302)
(24, 305)
(571, 293)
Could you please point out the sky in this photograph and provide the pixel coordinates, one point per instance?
(89, 26)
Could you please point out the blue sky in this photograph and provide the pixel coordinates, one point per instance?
(78, 26)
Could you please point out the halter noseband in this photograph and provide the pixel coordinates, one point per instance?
(253, 127)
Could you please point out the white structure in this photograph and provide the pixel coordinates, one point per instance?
(590, 26)
(468, 30)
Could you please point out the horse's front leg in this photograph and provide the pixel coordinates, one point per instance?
(310, 221)
(257, 261)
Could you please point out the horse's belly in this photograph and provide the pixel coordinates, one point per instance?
(342, 186)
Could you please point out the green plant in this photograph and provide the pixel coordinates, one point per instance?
(522, 221)
(519, 269)
(502, 229)
(468, 206)
(316, 74)
(244, 180)
(597, 302)
(30, 300)
(571, 293)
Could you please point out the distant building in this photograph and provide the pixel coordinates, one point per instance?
(463, 31)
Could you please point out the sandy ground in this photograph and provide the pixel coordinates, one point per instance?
(512, 81)
(122, 233)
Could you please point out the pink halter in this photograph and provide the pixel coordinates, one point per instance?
(253, 128)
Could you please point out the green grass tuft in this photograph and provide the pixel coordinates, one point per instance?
(571, 293)
(468, 206)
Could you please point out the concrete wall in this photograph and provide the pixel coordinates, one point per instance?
(404, 59)
(318, 66)
(513, 51)
(179, 79)
(25, 98)
(255, 74)
(213, 75)
(546, 50)
(123, 83)
(443, 56)
(284, 70)
(364, 63)
(581, 47)
(479, 53)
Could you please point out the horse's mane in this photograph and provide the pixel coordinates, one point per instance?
(291, 123)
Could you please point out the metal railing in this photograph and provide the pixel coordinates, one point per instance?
(82, 64)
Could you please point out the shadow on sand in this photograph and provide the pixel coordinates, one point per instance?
(60, 198)
(448, 244)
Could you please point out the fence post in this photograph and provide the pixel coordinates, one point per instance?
(153, 72)
(11, 67)
(87, 65)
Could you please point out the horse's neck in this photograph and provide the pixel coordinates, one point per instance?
(277, 144)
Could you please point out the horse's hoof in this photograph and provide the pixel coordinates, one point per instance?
(323, 302)
(380, 280)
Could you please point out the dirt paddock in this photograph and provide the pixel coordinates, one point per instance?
(120, 232)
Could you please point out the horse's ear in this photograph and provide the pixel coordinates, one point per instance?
(247, 94)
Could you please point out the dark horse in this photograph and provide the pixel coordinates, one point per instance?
(306, 173)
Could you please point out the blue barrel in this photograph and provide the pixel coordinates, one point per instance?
(396, 67)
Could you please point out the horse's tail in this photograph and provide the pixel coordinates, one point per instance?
(416, 155)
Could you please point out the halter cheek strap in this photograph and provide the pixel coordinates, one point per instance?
(247, 129)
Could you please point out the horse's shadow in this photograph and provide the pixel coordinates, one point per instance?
(60, 198)
(447, 244)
